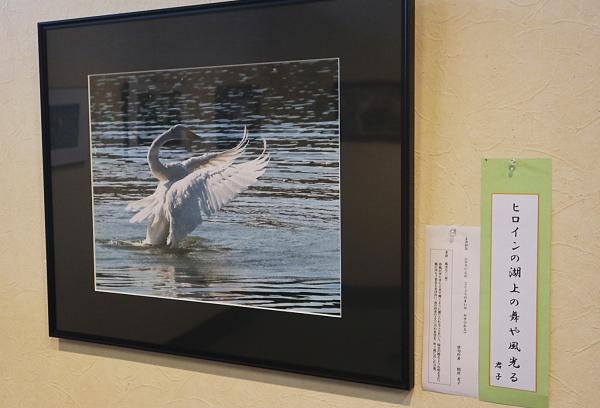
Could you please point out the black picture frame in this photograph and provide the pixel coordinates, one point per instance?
(373, 340)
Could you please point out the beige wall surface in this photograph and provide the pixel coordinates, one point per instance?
(494, 78)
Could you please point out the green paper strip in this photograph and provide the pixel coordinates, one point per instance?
(532, 176)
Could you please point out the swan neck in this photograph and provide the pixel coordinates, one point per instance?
(159, 170)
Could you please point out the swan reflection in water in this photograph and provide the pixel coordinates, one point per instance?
(182, 274)
(189, 188)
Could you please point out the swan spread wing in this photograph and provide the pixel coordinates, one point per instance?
(208, 190)
(216, 160)
(147, 207)
(224, 184)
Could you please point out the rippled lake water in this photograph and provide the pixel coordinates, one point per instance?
(277, 245)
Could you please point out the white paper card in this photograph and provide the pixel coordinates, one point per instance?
(513, 334)
(451, 316)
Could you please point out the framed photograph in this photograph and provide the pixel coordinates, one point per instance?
(234, 182)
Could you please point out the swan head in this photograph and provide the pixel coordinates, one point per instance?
(181, 132)
(177, 132)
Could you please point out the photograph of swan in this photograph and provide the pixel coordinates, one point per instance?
(219, 184)
(186, 189)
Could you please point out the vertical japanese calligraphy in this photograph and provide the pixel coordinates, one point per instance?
(514, 345)
(514, 269)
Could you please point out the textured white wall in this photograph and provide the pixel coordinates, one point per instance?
(493, 78)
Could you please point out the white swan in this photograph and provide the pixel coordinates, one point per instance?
(186, 189)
